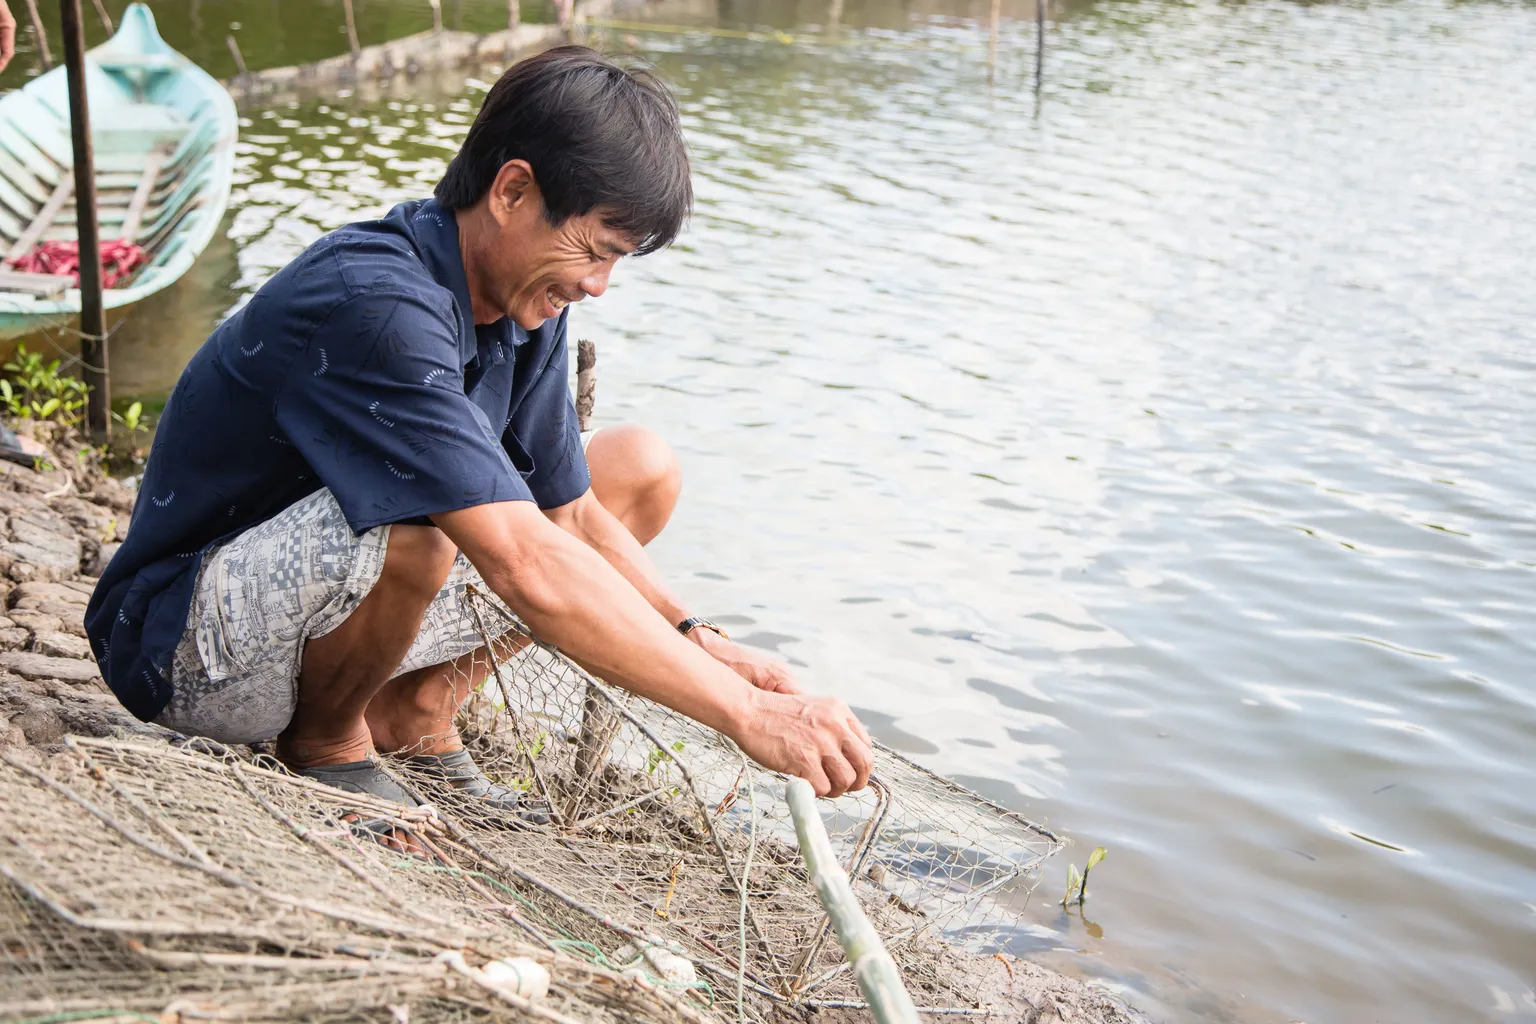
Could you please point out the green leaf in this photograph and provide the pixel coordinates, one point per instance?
(48, 408)
(1095, 857)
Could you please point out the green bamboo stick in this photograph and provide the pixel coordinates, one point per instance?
(873, 968)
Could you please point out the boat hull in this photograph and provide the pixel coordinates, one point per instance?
(147, 103)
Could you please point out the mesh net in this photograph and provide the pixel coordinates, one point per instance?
(667, 885)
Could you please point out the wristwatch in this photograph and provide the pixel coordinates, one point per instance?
(688, 625)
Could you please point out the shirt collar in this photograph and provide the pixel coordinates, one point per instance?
(437, 239)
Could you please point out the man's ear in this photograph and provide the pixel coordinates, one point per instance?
(513, 190)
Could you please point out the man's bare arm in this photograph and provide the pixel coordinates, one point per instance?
(571, 597)
(587, 520)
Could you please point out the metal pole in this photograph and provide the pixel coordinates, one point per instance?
(93, 326)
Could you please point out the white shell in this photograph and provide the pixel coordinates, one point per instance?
(518, 975)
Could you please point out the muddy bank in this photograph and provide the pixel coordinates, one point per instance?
(57, 528)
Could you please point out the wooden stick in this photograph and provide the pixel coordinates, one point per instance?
(346, 5)
(514, 15)
(106, 20)
(586, 383)
(234, 51)
(874, 970)
(93, 313)
(995, 22)
(39, 36)
(1039, 44)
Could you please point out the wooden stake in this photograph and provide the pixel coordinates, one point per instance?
(93, 327)
(514, 15)
(996, 21)
(1039, 44)
(234, 51)
(346, 5)
(39, 36)
(586, 383)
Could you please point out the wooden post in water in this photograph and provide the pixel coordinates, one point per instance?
(996, 21)
(39, 36)
(93, 326)
(1039, 44)
(234, 51)
(346, 5)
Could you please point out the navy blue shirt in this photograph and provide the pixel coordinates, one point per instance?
(357, 367)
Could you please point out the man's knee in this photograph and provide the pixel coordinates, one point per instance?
(636, 475)
(636, 460)
(417, 561)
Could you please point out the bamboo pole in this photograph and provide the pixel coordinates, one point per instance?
(93, 326)
(346, 5)
(39, 36)
(873, 969)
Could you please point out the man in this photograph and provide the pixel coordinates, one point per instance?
(388, 420)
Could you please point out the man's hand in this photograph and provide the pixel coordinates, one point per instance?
(815, 738)
(755, 667)
(7, 35)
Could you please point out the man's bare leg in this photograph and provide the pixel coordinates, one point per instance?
(342, 671)
(636, 476)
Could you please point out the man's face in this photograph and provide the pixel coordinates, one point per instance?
(532, 270)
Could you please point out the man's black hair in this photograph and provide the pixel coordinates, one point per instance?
(598, 137)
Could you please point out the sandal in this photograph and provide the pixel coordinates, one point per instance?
(363, 777)
(460, 771)
(21, 450)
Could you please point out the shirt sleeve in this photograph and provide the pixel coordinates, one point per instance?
(543, 432)
(376, 406)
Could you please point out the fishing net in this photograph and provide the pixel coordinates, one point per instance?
(198, 881)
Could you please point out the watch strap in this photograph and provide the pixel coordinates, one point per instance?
(691, 623)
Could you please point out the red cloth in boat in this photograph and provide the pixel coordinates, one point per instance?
(118, 259)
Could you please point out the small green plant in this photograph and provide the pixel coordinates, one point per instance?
(35, 389)
(1077, 882)
(133, 418)
(658, 755)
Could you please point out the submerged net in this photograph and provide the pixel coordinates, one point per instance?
(196, 881)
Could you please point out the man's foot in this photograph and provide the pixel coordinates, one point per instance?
(21, 450)
(458, 770)
(368, 778)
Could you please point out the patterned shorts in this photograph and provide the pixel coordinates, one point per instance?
(261, 595)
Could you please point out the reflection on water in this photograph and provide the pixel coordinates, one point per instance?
(1157, 464)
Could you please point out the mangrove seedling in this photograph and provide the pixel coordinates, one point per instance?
(1077, 882)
